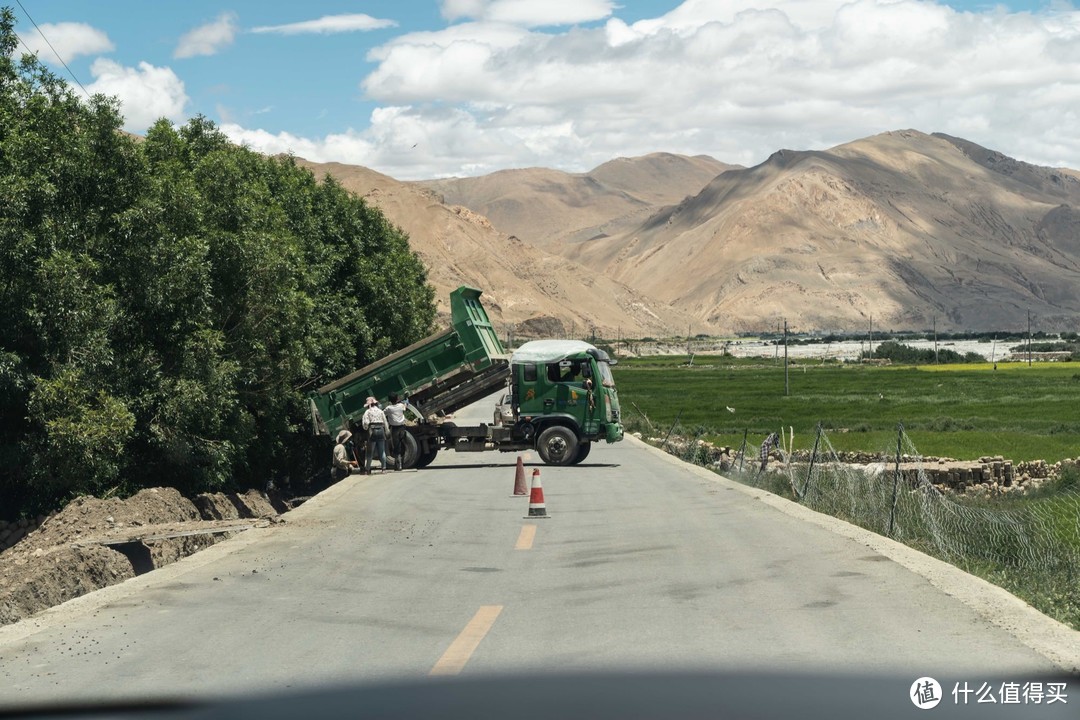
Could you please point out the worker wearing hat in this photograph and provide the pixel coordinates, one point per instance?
(342, 465)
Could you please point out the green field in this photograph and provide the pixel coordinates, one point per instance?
(959, 411)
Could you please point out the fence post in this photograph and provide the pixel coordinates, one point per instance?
(813, 456)
(896, 476)
(742, 450)
(643, 415)
(664, 445)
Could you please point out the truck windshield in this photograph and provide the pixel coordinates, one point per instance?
(605, 375)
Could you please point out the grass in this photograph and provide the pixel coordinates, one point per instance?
(961, 411)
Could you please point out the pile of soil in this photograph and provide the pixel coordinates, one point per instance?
(93, 543)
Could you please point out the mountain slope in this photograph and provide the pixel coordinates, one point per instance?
(899, 229)
(549, 208)
(526, 290)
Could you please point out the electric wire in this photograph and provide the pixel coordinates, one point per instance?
(58, 56)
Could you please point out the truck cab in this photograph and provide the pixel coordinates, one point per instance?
(564, 395)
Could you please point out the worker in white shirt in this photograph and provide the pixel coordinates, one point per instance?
(395, 418)
(374, 421)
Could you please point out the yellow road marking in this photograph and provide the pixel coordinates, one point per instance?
(525, 539)
(464, 645)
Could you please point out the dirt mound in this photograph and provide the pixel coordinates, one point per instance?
(231, 506)
(93, 543)
(85, 516)
(31, 582)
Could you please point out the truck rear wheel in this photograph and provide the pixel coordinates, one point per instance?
(412, 452)
(557, 445)
(426, 458)
(582, 451)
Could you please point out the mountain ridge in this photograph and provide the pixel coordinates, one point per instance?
(901, 230)
(527, 292)
(905, 227)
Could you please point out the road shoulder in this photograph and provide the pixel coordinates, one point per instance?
(1053, 640)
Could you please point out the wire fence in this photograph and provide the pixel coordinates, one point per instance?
(1027, 543)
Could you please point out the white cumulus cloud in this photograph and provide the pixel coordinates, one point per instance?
(529, 13)
(737, 79)
(350, 22)
(70, 39)
(208, 39)
(146, 92)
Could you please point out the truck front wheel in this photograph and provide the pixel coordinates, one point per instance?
(557, 445)
(582, 451)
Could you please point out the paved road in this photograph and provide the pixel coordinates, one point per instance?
(643, 562)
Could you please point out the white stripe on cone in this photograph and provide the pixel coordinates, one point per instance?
(536, 498)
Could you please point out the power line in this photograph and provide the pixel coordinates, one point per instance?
(73, 77)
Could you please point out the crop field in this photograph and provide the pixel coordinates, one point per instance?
(961, 411)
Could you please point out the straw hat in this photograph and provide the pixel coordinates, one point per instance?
(343, 436)
(370, 401)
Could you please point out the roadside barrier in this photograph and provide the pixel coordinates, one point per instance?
(1018, 532)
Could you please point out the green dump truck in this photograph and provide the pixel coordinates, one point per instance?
(562, 393)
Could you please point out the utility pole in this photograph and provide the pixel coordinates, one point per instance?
(688, 341)
(871, 335)
(935, 341)
(787, 387)
(1029, 338)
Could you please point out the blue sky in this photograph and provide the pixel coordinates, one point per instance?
(462, 87)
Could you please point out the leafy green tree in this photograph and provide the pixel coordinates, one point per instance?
(64, 173)
(171, 300)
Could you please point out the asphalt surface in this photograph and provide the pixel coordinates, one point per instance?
(643, 563)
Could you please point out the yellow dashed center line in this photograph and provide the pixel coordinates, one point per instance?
(453, 660)
(525, 539)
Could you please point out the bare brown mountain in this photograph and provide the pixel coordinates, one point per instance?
(525, 289)
(550, 208)
(896, 229)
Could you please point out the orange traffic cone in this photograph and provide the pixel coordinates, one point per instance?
(519, 479)
(537, 508)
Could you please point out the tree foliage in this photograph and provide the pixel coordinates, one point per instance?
(908, 355)
(169, 301)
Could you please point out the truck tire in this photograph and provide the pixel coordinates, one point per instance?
(412, 452)
(557, 445)
(582, 452)
(426, 457)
